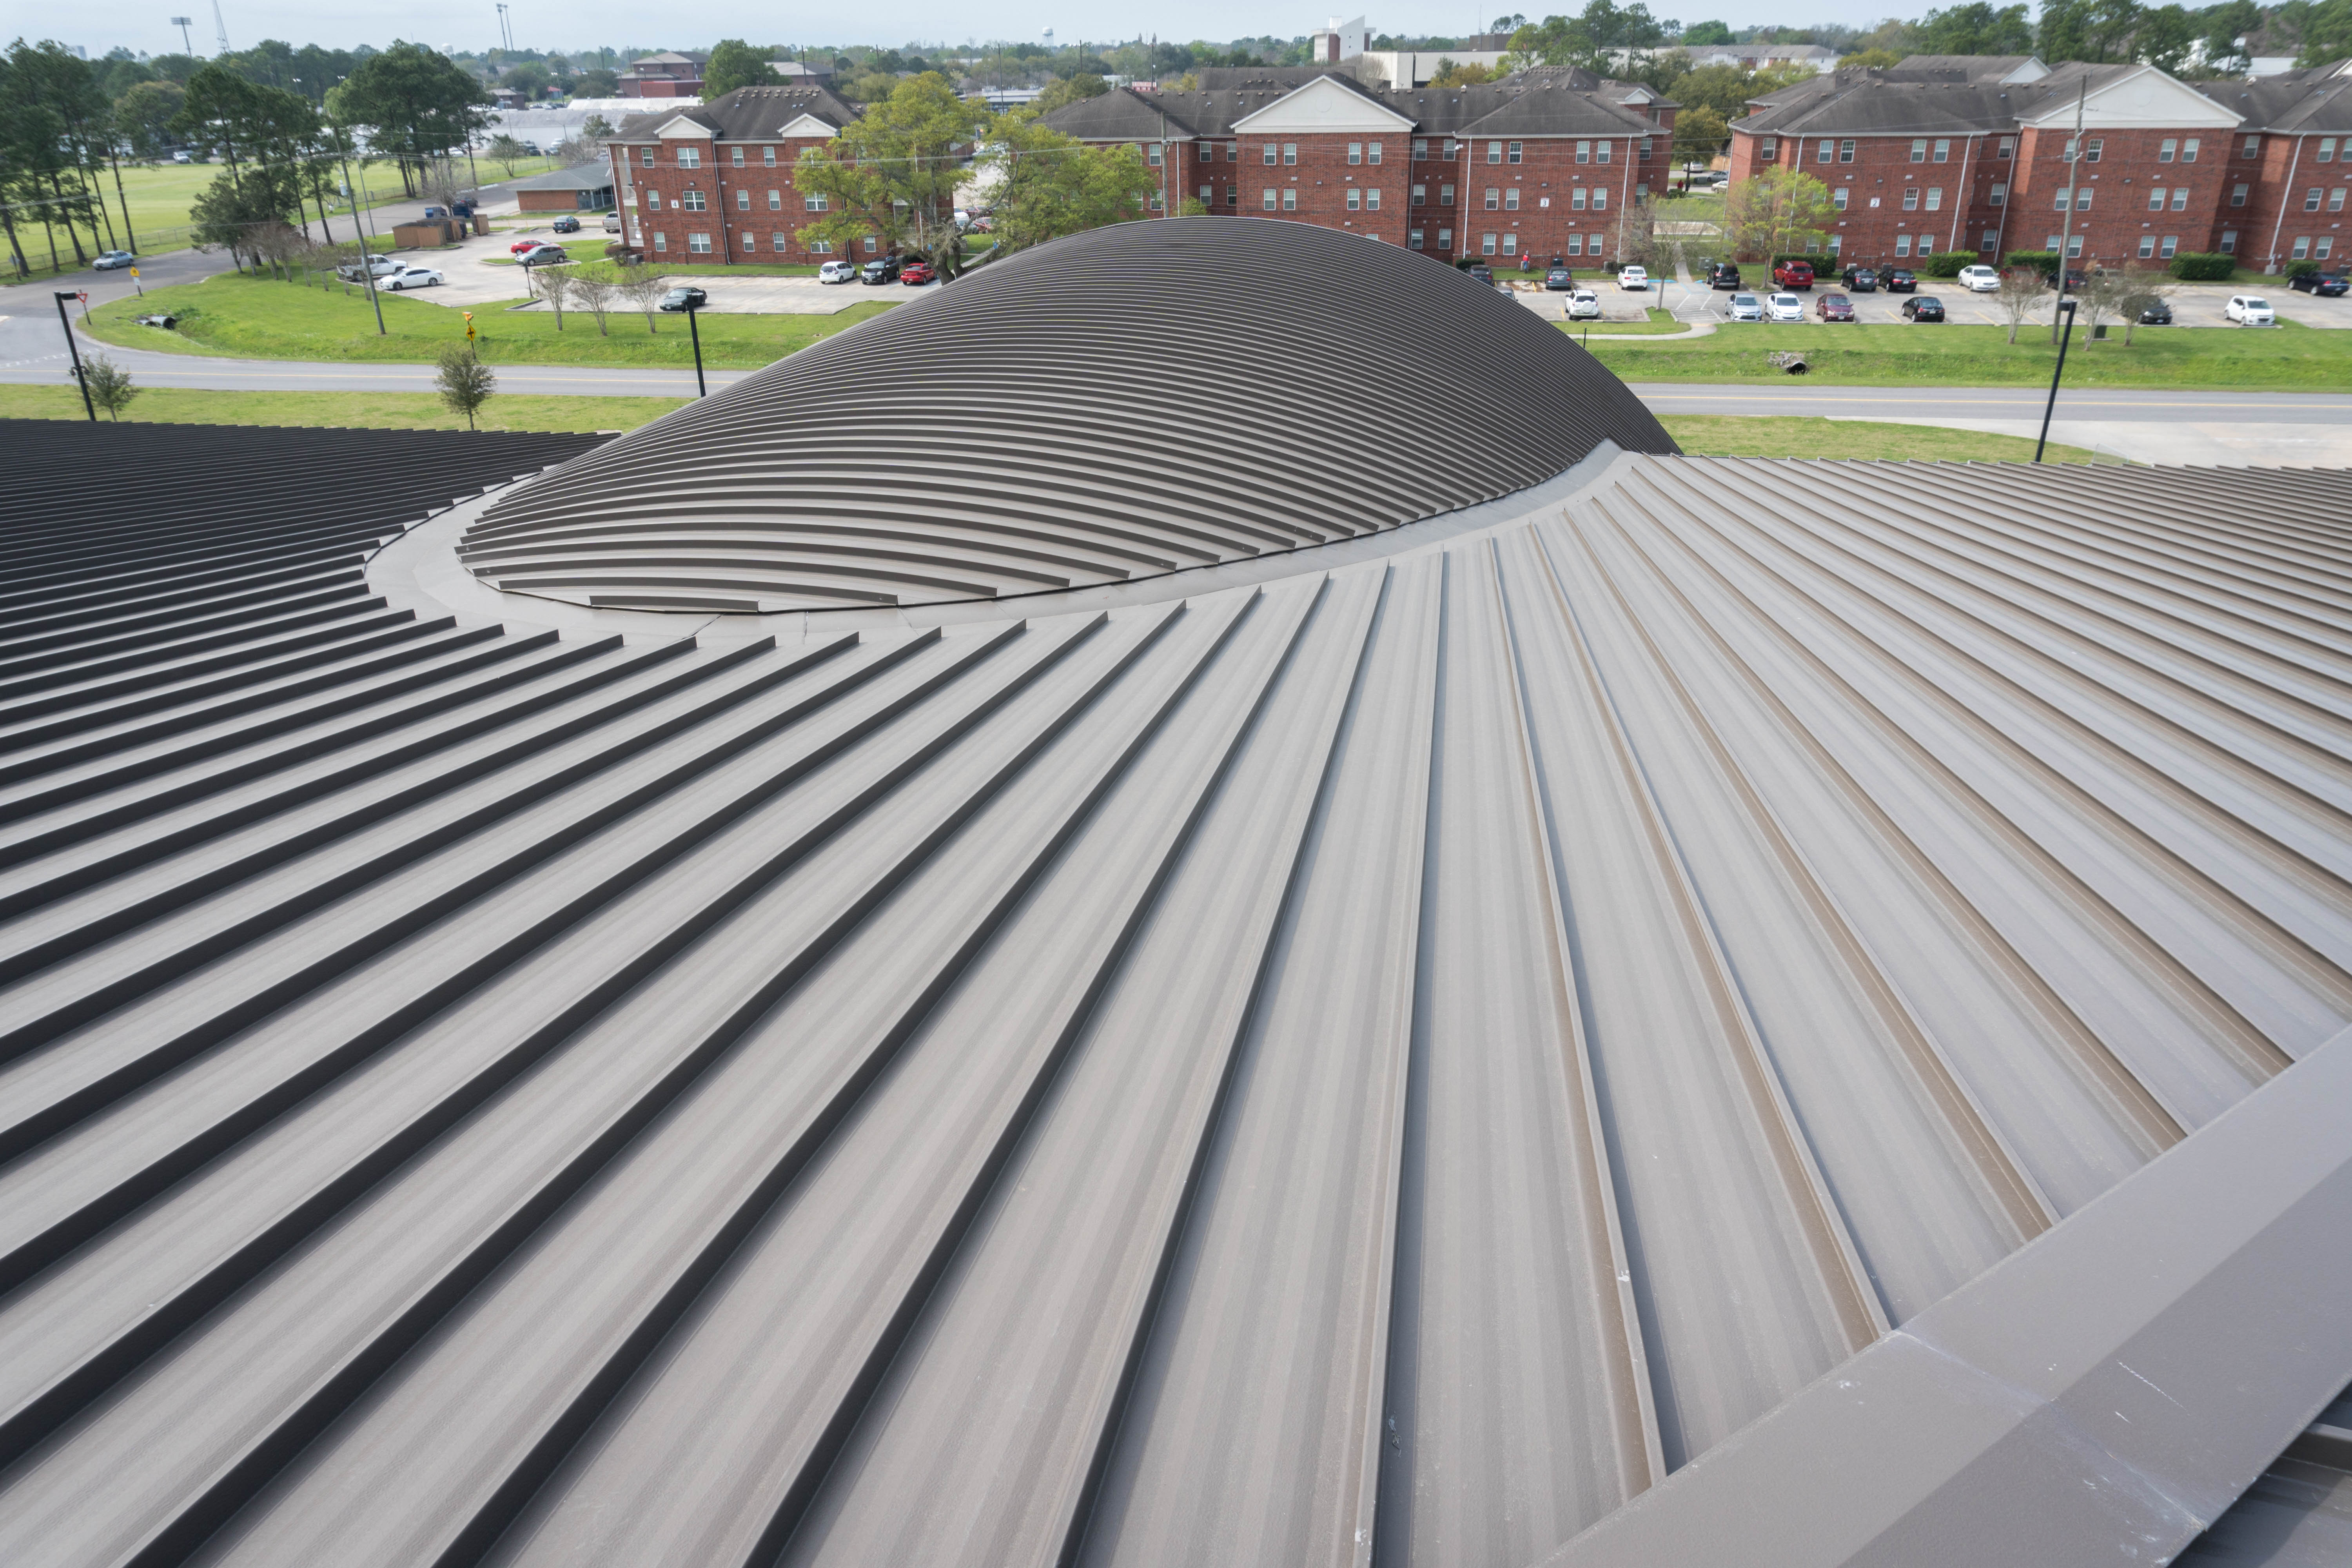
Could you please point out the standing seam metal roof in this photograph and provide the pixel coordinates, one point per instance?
(1410, 1055)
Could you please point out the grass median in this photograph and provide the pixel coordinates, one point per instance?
(2282, 359)
(244, 317)
(1805, 435)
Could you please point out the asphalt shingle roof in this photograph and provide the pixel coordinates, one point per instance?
(748, 113)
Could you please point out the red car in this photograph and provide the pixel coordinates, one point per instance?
(916, 272)
(1833, 308)
(1794, 274)
(519, 246)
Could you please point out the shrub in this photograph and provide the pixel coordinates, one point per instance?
(2204, 267)
(2043, 262)
(1946, 263)
(2298, 269)
(1823, 265)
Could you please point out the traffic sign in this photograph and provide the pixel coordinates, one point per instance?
(135, 273)
(82, 295)
(470, 326)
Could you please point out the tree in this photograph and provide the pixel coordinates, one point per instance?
(1063, 91)
(643, 287)
(734, 63)
(1700, 33)
(143, 116)
(108, 384)
(413, 102)
(1700, 136)
(1870, 60)
(464, 382)
(1042, 184)
(1453, 73)
(597, 81)
(1780, 212)
(2020, 296)
(506, 152)
(2145, 292)
(2100, 297)
(530, 78)
(1976, 28)
(893, 172)
(555, 286)
(2099, 31)
(594, 289)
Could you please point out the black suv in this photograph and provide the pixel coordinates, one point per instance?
(1723, 275)
(1861, 280)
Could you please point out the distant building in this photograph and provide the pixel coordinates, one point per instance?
(794, 73)
(713, 186)
(1339, 41)
(586, 188)
(667, 75)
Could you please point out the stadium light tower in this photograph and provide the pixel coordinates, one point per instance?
(181, 22)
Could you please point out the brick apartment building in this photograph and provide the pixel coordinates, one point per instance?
(667, 75)
(714, 185)
(1960, 153)
(1542, 163)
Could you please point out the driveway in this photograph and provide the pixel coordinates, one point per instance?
(478, 273)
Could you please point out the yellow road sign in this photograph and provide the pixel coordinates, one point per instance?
(135, 273)
(470, 326)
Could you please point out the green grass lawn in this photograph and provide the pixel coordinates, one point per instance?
(2209, 359)
(1662, 323)
(1778, 435)
(350, 410)
(258, 317)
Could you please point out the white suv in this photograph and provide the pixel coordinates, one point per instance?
(1981, 280)
(1584, 305)
(2250, 310)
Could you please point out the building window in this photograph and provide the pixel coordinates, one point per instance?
(1845, 152)
(1576, 244)
(1272, 153)
(1511, 199)
(699, 244)
(1372, 199)
(1599, 201)
(1444, 239)
(1420, 150)
(1452, 147)
(2326, 243)
(1911, 199)
(1837, 198)
(1600, 154)
(689, 158)
(1421, 195)
(1269, 200)
(652, 201)
(1919, 149)
(816, 202)
(647, 155)
(2092, 148)
(2065, 198)
(1151, 155)
(2237, 196)
(2050, 244)
(2228, 242)
(2074, 248)
(1485, 244)
(872, 245)
(2171, 243)
(1493, 152)
(2181, 199)
(2253, 148)
(2156, 198)
(1645, 149)
(2146, 246)
(1576, 199)
(1207, 193)
(2083, 194)
(1641, 194)
(1935, 198)
(1767, 148)
(2336, 200)
(820, 247)
(1354, 152)
(1944, 150)
(2311, 200)
(1902, 245)
(2327, 153)
(1513, 154)
(767, 157)
(1837, 242)
(1290, 198)
(1990, 241)
(1510, 245)
(661, 240)
(2166, 149)
(1999, 194)
(1233, 195)
(1584, 151)
(736, 156)
(776, 242)
(1355, 199)
(1290, 152)
(1372, 153)
(1493, 198)
(1412, 240)
(2007, 147)
(1446, 195)
(2302, 250)
(2189, 151)
(1828, 152)
(692, 201)
(750, 242)
(742, 200)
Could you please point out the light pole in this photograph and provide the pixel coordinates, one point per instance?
(2067, 308)
(82, 380)
(692, 332)
(359, 217)
(187, 47)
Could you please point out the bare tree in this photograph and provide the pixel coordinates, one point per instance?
(2021, 289)
(555, 286)
(2148, 290)
(2100, 297)
(464, 382)
(643, 287)
(594, 290)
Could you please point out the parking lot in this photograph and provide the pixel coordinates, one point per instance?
(2193, 304)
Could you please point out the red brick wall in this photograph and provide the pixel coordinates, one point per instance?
(1322, 179)
(735, 235)
(2282, 176)
(1880, 169)
(1550, 181)
(2127, 169)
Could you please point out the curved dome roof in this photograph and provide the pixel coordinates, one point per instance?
(1135, 400)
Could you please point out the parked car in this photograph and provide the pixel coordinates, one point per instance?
(1558, 279)
(1833, 308)
(1923, 308)
(837, 273)
(544, 256)
(1792, 273)
(1584, 305)
(183, 157)
(107, 260)
(1861, 280)
(917, 273)
(1483, 273)
(2310, 283)
(1899, 280)
(2157, 314)
(1746, 308)
(382, 267)
(1723, 275)
(2250, 310)
(1632, 277)
(410, 278)
(565, 225)
(1786, 308)
(883, 271)
(1981, 280)
(519, 246)
(685, 298)
(612, 223)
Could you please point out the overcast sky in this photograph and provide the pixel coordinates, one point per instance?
(587, 23)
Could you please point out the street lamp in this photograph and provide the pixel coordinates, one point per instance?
(181, 22)
(692, 332)
(2067, 308)
(83, 381)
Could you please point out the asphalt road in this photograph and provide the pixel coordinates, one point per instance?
(1931, 406)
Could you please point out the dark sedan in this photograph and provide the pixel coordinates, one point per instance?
(1558, 279)
(2321, 284)
(684, 300)
(1899, 280)
(1833, 308)
(2156, 314)
(1923, 308)
(1861, 280)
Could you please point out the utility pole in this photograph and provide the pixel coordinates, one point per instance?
(2067, 230)
(361, 222)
